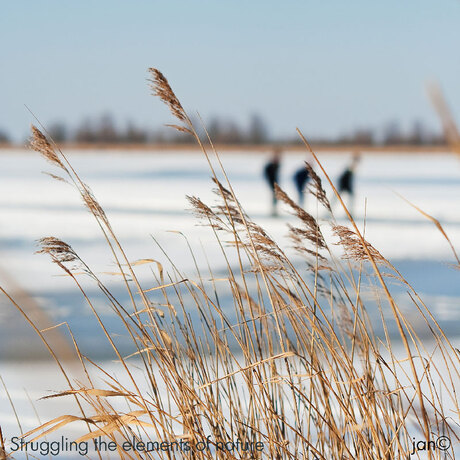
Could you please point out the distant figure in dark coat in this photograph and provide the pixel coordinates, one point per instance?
(346, 181)
(271, 174)
(301, 178)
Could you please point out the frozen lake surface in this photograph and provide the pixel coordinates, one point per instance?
(144, 196)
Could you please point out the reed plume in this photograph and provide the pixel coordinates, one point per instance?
(41, 144)
(160, 87)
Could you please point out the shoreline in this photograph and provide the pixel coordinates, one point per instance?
(237, 148)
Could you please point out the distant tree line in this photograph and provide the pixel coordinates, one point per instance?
(104, 130)
(391, 134)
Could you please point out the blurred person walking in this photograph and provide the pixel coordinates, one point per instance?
(271, 174)
(346, 183)
(301, 178)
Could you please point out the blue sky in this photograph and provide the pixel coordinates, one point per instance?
(325, 66)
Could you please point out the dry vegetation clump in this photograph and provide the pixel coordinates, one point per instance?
(295, 368)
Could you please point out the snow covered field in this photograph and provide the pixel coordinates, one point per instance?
(144, 196)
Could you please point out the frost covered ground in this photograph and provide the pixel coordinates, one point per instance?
(144, 196)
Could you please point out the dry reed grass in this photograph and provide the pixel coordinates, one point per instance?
(296, 367)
